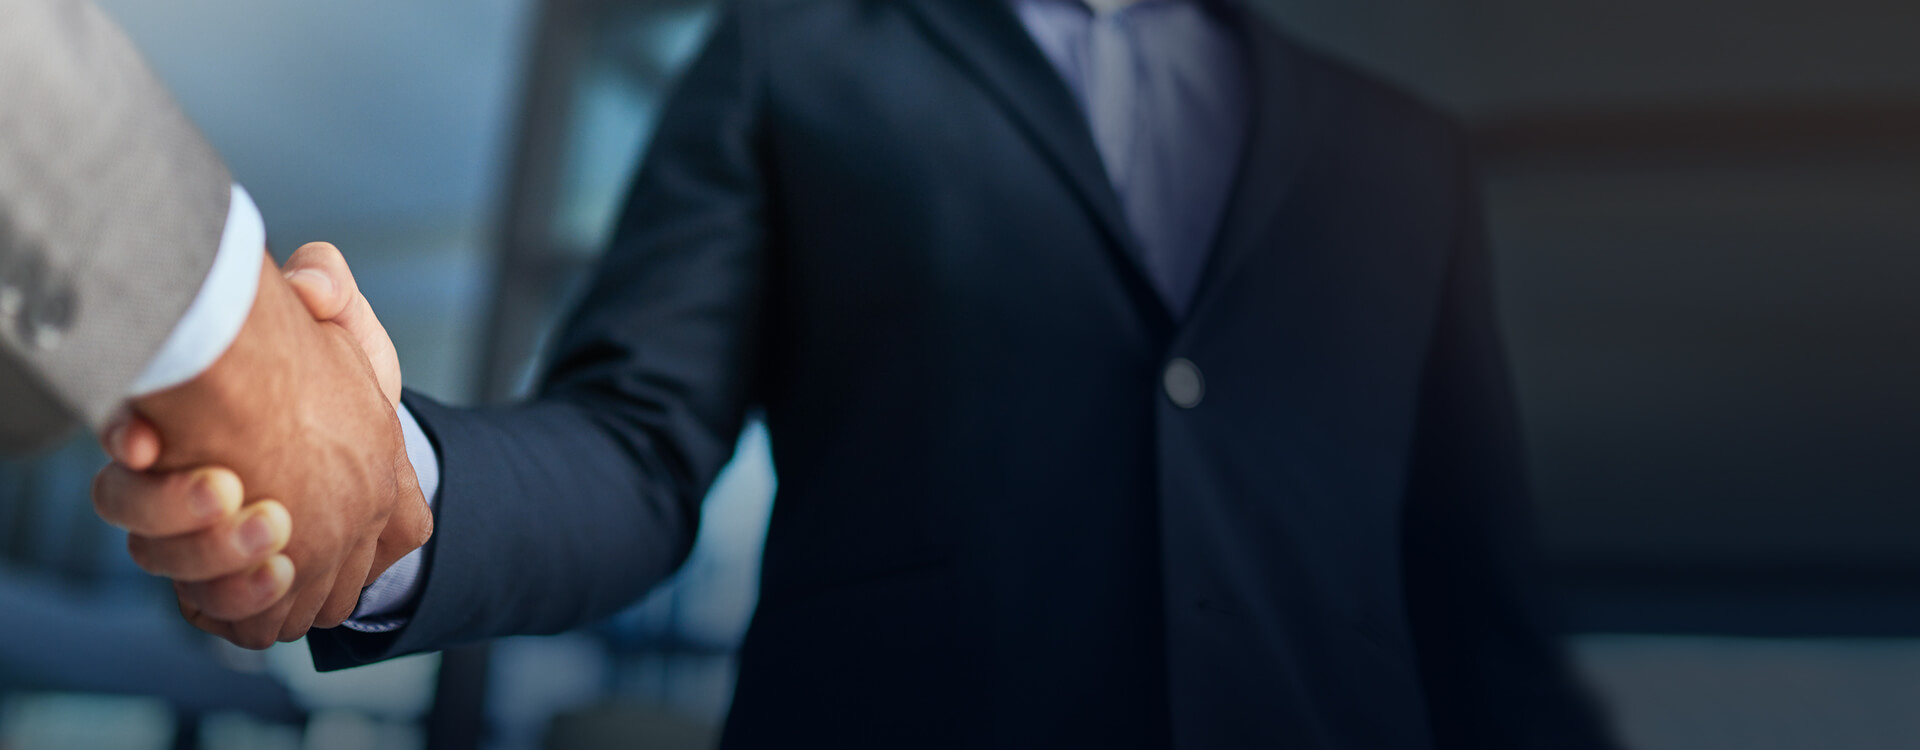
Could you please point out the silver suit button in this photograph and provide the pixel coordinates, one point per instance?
(1183, 383)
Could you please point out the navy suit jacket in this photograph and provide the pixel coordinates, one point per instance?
(884, 224)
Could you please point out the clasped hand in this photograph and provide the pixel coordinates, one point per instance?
(276, 485)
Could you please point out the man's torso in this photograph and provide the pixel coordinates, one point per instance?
(982, 471)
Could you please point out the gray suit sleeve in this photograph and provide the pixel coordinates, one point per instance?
(111, 211)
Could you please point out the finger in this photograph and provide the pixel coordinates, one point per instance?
(239, 597)
(262, 630)
(198, 619)
(294, 612)
(131, 441)
(320, 276)
(110, 435)
(165, 505)
(306, 608)
(231, 546)
(139, 445)
(345, 597)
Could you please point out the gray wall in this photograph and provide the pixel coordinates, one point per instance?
(1706, 216)
(382, 127)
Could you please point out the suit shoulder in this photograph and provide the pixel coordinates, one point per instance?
(779, 8)
(804, 27)
(1373, 96)
(1363, 100)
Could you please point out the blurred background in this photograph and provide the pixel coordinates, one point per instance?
(1706, 214)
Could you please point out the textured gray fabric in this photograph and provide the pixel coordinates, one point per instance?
(30, 416)
(111, 210)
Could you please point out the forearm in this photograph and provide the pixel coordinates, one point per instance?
(564, 510)
(550, 516)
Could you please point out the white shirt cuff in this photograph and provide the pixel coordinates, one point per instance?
(396, 589)
(214, 318)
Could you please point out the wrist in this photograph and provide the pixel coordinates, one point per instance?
(219, 310)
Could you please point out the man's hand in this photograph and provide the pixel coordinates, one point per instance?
(295, 408)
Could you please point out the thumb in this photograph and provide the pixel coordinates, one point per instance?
(319, 275)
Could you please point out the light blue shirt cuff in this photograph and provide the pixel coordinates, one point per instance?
(216, 315)
(396, 589)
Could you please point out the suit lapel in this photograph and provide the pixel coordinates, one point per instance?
(988, 40)
(1279, 142)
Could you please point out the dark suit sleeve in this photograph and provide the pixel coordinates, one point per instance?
(1493, 673)
(563, 510)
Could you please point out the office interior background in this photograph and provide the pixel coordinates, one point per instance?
(1705, 211)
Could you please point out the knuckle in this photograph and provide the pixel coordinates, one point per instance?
(189, 558)
(138, 552)
(334, 614)
(212, 601)
(173, 495)
(109, 492)
(254, 641)
(158, 557)
(421, 532)
(226, 602)
(97, 489)
(224, 555)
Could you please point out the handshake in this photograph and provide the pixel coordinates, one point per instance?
(276, 485)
